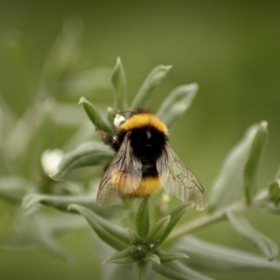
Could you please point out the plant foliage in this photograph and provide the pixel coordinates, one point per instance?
(146, 234)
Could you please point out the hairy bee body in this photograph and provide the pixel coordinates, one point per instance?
(145, 162)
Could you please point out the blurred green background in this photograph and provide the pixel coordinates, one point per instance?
(230, 48)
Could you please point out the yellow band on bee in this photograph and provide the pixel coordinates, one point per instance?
(147, 187)
(141, 120)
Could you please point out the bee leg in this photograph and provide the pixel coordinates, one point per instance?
(108, 139)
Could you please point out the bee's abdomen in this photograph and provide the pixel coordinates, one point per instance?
(149, 170)
(147, 187)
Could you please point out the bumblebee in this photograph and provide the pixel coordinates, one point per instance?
(145, 163)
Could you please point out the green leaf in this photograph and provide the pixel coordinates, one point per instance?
(170, 256)
(7, 121)
(66, 46)
(61, 58)
(30, 204)
(215, 258)
(13, 188)
(88, 81)
(175, 216)
(274, 195)
(134, 237)
(120, 272)
(142, 221)
(35, 231)
(122, 257)
(251, 166)
(274, 192)
(94, 115)
(144, 270)
(118, 79)
(177, 270)
(87, 154)
(156, 233)
(62, 223)
(25, 129)
(153, 258)
(267, 246)
(176, 103)
(110, 271)
(228, 182)
(110, 233)
(153, 79)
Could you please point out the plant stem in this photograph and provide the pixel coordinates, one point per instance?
(238, 207)
(144, 270)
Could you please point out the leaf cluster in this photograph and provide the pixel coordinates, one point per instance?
(160, 242)
(144, 235)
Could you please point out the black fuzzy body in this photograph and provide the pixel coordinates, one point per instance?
(147, 144)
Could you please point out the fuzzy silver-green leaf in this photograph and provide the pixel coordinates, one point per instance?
(176, 103)
(94, 115)
(142, 220)
(149, 85)
(175, 216)
(266, 245)
(87, 154)
(226, 186)
(156, 233)
(216, 258)
(112, 234)
(13, 188)
(118, 80)
(122, 257)
(252, 163)
(179, 271)
(170, 256)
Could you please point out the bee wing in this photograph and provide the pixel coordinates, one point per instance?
(178, 180)
(121, 177)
